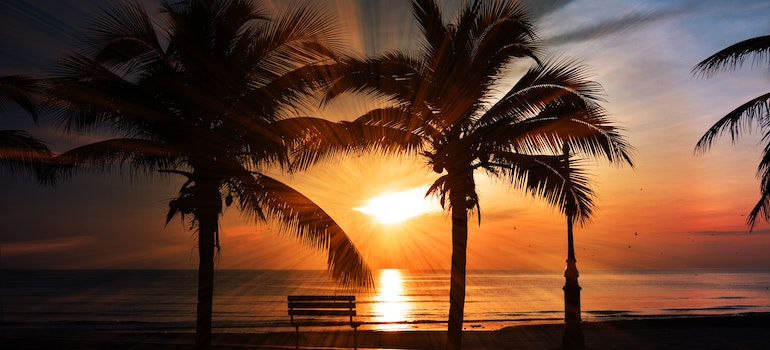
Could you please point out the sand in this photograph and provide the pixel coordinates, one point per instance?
(751, 331)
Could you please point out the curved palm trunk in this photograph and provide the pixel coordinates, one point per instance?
(207, 214)
(457, 284)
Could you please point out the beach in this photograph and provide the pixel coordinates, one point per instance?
(747, 331)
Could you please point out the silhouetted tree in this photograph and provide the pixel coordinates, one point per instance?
(199, 92)
(446, 94)
(738, 120)
(20, 153)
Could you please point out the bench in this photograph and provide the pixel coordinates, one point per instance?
(323, 310)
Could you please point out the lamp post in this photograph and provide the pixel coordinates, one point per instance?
(573, 334)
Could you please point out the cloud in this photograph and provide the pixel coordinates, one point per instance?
(730, 233)
(541, 8)
(44, 245)
(613, 26)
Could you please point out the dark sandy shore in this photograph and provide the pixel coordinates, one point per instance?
(722, 332)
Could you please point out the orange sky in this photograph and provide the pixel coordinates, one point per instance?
(674, 209)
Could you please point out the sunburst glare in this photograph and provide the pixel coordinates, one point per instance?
(395, 207)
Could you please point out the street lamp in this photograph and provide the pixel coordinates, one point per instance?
(573, 334)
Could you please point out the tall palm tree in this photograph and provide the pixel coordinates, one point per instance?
(20, 153)
(446, 94)
(199, 93)
(738, 120)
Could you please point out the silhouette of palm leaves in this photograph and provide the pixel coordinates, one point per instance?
(741, 119)
(202, 98)
(20, 153)
(446, 96)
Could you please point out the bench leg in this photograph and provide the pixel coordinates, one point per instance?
(355, 338)
(296, 338)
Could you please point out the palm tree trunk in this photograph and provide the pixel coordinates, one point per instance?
(205, 286)
(457, 282)
(207, 214)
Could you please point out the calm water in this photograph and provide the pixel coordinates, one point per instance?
(248, 301)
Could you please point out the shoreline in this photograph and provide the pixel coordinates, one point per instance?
(744, 331)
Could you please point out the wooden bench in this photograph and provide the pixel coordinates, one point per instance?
(320, 310)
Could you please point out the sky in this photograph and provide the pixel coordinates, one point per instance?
(673, 209)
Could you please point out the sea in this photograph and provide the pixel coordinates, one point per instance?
(256, 300)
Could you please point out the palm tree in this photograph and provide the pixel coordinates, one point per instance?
(199, 93)
(446, 95)
(738, 120)
(20, 153)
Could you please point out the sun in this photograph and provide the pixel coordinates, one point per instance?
(395, 207)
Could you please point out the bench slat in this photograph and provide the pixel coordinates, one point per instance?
(312, 324)
(321, 297)
(321, 305)
(322, 312)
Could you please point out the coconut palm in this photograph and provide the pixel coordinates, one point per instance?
(199, 93)
(446, 94)
(20, 153)
(738, 120)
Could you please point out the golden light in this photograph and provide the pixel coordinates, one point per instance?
(391, 305)
(395, 207)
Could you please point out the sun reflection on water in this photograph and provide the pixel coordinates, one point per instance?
(391, 305)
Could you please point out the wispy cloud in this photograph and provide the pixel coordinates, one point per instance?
(44, 245)
(730, 233)
(613, 26)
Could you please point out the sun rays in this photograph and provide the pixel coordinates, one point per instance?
(396, 207)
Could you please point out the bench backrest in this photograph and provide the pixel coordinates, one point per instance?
(321, 306)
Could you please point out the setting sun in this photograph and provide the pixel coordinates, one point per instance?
(395, 207)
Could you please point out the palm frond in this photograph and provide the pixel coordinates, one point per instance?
(549, 177)
(504, 32)
(590, 132)
(544, 85)
(308, 222)
(762, 208)
(734, 55)
(142, 156)
(464, 27)
(23, 154)
(318, 139)
(553, 104)
(183, 204)
(21, 90)
(429, 17)
(401, 118)
(569, 73)
(586, 128)
(439, 189)
(263, 99)
(123, 36)
(304, 35)
(442, 189)
(460, 188)
(87, 96)
(737, 122)
(392, 75)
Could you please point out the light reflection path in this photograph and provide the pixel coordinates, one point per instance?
(391, 307)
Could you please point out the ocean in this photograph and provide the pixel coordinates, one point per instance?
(255, 300)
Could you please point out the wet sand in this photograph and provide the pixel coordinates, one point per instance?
(715, 332)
